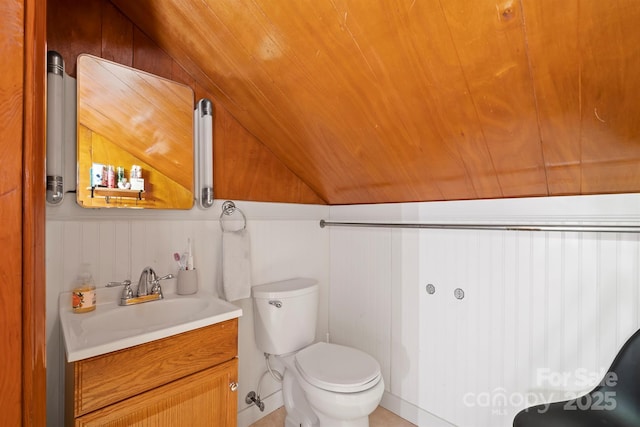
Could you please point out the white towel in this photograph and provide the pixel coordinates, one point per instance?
(236, 265)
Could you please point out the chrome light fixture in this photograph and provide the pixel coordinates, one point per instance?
(55, 127)
(203, 118)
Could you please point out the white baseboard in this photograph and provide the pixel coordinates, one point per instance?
(412, 413)
(250, 415)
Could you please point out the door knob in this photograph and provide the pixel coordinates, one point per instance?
(233, 386)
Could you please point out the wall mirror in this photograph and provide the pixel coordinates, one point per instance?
(135, 138)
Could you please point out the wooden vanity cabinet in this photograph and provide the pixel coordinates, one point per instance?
(188, 379)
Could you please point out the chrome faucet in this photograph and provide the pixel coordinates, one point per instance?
(148, 288)
(149, 283)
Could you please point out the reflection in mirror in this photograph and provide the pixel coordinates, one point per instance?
(135, 138)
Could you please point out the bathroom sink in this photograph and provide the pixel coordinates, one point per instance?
(112, 327)
(144, 316)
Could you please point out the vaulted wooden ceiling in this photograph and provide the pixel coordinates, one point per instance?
(371, 101)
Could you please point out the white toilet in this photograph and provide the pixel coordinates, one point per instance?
(324, 385)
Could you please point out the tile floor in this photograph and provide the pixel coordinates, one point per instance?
(380, 418)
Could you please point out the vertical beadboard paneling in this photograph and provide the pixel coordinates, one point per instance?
(485, 332)
(523, 318)
(571, 307)
(93, 256)
(55, 270)
(635, 280)
(459, 250)
(280, 250)
(474, 290)
(510, 301)
(554, 304)
(428, 384)
(627, 271)
(119, 247)
(405, 315)
(538, 307)
(104, 271)
(121, 269)
(588, 297)
(71, 255)
(140, 248)
(494, 291)
(207, 255)
(607, 298)
(363, 273)
(539, 290)
(162, 248)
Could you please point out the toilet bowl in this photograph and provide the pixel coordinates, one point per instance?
(324, 385)
(341, 384)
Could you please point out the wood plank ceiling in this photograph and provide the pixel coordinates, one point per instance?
(415, 100)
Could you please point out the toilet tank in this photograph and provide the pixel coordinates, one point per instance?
(285, 315)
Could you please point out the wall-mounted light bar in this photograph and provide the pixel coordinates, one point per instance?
(61, 130)
(55, 127)
(203, 125)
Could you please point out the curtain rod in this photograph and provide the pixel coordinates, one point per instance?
(504, 227)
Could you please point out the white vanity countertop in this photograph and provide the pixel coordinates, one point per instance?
(112, 327)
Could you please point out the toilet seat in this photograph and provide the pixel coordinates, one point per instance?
(337, 368)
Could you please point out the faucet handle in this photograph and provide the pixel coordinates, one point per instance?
(114, 284)
(156, 288)
(127, 292)
(168, 276)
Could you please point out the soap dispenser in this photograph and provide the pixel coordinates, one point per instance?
(83, 296)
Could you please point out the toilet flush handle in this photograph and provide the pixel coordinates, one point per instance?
(278, 304)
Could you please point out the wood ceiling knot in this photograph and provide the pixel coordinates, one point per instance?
(507, 11)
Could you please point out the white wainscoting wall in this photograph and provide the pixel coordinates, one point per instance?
(537, 304)
(286, 242)
(543, 316)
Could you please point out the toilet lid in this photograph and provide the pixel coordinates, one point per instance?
(337, 368)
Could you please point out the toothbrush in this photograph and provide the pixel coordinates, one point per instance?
(176, 257)
(189, 256)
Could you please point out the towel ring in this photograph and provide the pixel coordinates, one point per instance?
(228, 208)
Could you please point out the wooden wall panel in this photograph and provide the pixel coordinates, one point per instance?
(582, 62)
(401, 100)
(552, 39)
(272, 184)
(22, 290)
(11, 150)
(397, 100)
(99, 28)
(444, 85)
(609, 63)
(149, 57)
(489, 39)
(33, 282)
(179, 75)
(74, 28)
(392, 101)
(117, 35)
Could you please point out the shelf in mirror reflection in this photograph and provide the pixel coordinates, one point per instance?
(116, 195)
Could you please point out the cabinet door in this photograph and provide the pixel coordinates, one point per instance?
(95, 383)
(206, 398)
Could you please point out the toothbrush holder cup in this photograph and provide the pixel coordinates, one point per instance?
(187, 282)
